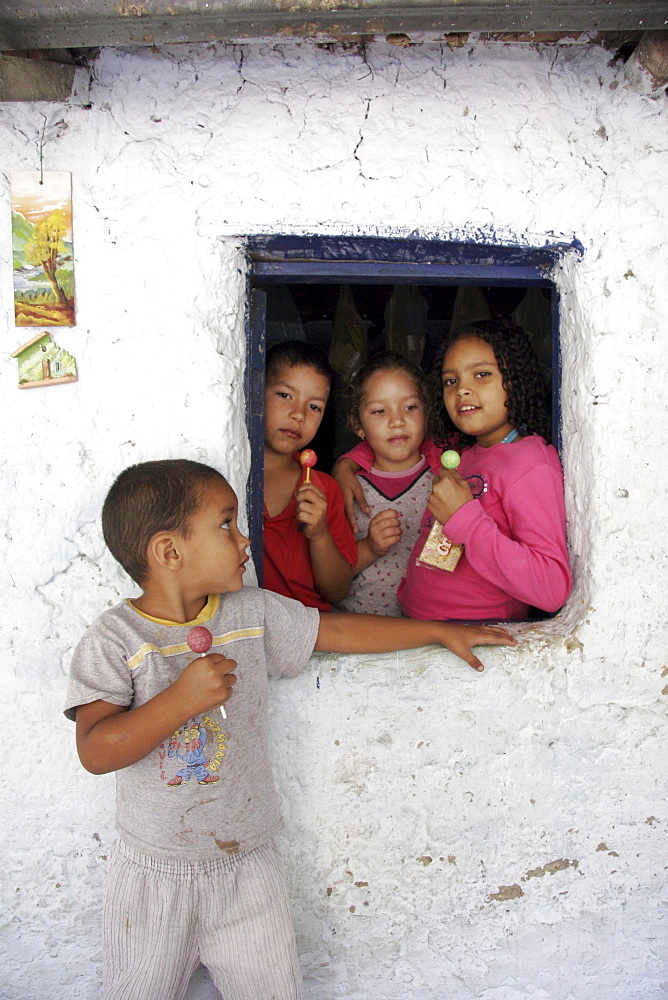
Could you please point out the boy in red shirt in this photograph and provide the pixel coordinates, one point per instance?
(309, 547)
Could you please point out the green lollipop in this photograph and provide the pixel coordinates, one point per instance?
(450, 459)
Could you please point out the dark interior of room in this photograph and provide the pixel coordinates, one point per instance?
(413, 320)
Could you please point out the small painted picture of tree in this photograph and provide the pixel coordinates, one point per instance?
(42, 248)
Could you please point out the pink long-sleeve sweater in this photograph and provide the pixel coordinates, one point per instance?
(514, 538)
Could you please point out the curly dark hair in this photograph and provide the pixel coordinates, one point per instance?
(386, 361)
(522, 379)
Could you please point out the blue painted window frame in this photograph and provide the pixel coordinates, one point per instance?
(377, 260)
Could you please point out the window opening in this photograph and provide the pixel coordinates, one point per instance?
(296, 285)
(413, 320)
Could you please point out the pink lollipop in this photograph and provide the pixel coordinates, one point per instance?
(308, 458)
(199, 639)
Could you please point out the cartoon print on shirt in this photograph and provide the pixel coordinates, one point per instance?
(187, 745)
(477, 483)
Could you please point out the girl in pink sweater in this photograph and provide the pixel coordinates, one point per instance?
(505, 502)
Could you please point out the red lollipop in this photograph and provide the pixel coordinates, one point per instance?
(308, 458)
(199, 639)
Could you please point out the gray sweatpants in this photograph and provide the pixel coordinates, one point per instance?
(163, 917)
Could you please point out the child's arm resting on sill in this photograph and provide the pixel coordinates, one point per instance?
(349, 633)
(110, 737)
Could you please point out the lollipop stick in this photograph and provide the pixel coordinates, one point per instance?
(200, 639)
(307, 459)
(222, 707)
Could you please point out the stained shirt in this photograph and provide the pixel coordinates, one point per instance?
(207, 790)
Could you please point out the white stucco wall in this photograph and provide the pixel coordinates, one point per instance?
(448, 835)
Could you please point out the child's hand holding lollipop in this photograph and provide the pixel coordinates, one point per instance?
(449, 491)
(218, 677)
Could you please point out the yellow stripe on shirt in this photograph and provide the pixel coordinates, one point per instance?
(256, 632)
(241, 633)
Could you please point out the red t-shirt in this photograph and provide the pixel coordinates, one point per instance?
(287, 561)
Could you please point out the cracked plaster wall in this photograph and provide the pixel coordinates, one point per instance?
(447, 835)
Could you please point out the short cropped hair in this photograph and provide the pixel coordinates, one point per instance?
(148, 498)
(296, 353)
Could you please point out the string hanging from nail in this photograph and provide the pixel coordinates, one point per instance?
(41, 151)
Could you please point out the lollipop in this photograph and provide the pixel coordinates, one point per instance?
(308, 458)
(439, 552)
(199, 639)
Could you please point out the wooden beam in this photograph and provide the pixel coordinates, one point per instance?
(32, 24)
(648, 66)
(24, 79)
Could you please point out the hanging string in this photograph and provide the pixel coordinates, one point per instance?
(41, 152)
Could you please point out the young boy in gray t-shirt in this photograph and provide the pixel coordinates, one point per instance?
(195, 876)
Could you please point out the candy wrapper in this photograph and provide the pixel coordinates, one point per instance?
(438, 551)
